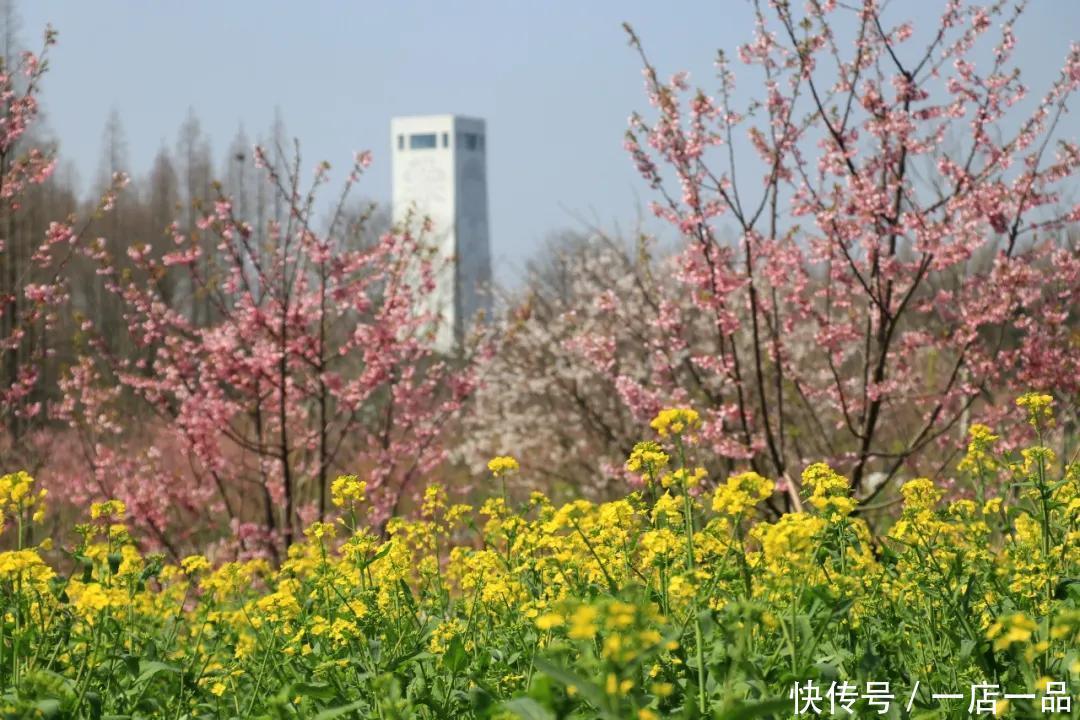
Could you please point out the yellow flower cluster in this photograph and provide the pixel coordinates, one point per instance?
(25, 566)
(1039, 407)
(444, 633)
(676, 422)
(789, 542)
(1015, 628)
(18, 499)
(348, 490)
(628, 606)
(91, 600)
(920, 494)
(741, 492)
(829, 491)
(918, 520)
(647, 457)
(980, 457)
(683, 477)
(502, 465)
(114, 510)
(194, 564)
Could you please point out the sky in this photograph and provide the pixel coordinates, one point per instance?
(555, 81)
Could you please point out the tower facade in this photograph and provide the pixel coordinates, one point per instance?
(440, 172)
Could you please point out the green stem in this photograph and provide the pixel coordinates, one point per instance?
(689, 513)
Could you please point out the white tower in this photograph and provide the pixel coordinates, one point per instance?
(439, 168)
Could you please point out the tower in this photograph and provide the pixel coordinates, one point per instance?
(440, 172)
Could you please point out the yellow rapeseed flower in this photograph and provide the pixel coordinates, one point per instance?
(319, 530)
(194, 563)
(583, 623)
(110, 509)
(25, 566)
(1039, 407)
(979, 457)
(502, 465)
(1015, 628)
(549, 621)
(828, 491)
(741, 492)
(347, 490)
(675, 421)
(434, 500)
(920, 494)
(17, 497)
(648, 458)
(683, 478)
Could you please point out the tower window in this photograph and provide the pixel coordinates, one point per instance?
(400, 142)
(445, 139)
(424, 141)
(469, 141)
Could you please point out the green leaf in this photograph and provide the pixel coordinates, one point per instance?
(527, 708)
(339, 711)
(1061, 591)
(94, 701)
(480, 700)
(153, 667)
(416, 654)
(827, 670)
(47, 708)
(455, 657)
(590, 691)
(319, 691)
(87, 569)
(417, 687)
(380, 554)
(407, 596)
(762, 708)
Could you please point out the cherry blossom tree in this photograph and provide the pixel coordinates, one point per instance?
(33, 286)
(902, 260)
(549, 395)
(895, 258)
(318, 363)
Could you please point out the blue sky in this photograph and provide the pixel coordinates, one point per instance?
(555, 81)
